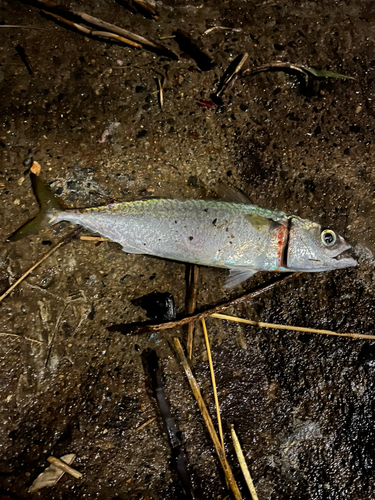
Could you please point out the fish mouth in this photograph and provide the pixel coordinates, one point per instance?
(344, 259)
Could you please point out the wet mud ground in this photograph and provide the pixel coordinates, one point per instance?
(303, 405)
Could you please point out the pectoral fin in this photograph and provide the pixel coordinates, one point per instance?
(237, 276)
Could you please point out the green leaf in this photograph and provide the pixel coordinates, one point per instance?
(323, 73)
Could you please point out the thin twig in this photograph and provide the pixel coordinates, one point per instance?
(207, 419)
(210, 30)
(143, 7)
(161, 95)
(93, 238)
(304, 70)
(145, 424)
(273, 65)
(233, 70)
(65, 467)
(241, 461)
(20, 26)
(291, 328)
(248, 296)
(64, 11)
(191, 301)
(213, 380)
(52, 339)
(21, 338)
(89, 31)
(66, 240)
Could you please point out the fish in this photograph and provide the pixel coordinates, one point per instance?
(232, 234)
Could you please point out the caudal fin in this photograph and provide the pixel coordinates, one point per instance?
(47, 203)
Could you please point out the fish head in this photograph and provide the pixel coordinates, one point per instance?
(312, 248)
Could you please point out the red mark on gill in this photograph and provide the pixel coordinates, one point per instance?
(281, 240)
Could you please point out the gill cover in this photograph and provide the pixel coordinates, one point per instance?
(312, 248)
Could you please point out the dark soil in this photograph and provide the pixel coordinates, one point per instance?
(303, 405)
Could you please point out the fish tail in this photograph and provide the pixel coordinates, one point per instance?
(48, 208)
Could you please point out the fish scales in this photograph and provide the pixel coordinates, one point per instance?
(212, 233)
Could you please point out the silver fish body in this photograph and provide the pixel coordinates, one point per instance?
(241, 237)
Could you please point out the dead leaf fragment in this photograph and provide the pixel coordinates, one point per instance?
(51, 475)
(35, 168)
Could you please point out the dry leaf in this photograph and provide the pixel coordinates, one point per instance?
(35, 168)
(52, 474)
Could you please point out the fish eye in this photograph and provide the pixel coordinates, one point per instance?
(328, 237)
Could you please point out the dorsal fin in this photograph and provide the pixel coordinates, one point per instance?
(232, 194)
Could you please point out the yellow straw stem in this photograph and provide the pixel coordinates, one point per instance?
(207, 419)
(241, 461)
(213, 380)
(291, 328)
(48, 254)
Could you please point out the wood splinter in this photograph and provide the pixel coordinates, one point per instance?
(63, 466)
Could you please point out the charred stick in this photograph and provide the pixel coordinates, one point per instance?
(169, 423)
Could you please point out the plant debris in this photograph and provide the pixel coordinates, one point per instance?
(145, 424)
(60, 464)
(142, 7)
(146, 326)
(66, 14)
(213, 381)
(35, 168)
(243, 465)
(64, 241)
(207, 419)
(214, 28)
(20, 337)
(231, 73)
(93, 238)
(51, 475)
(291, 328)
(285, 66)
(95, 33)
